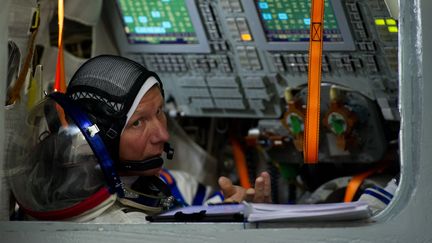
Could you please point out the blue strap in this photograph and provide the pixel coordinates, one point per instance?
(199, 195)
(388, 194)
(377, 195)
(95, 141)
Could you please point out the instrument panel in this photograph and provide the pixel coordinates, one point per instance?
(233, 58)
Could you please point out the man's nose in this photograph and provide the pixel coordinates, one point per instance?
(160, 132)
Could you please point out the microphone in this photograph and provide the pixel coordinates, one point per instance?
(169, 151)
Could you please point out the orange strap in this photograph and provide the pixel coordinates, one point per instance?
(240, 162)
(167, 177)
(60, 83)
(311, 137)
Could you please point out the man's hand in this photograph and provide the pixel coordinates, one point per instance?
(261, 193)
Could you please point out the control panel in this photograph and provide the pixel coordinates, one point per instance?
(236, 58)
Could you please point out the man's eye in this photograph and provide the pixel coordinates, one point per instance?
(136, 123)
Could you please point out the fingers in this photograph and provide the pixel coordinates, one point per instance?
(259, 190)
(260, 194)
(262, 188)
(238, 196)
(231, 193)
(267, 187)
(226, 186)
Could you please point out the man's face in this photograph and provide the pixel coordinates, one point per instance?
(146, 131)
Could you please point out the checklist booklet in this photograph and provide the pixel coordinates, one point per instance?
(260, 212)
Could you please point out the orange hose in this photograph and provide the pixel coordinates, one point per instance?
(240, 162)
(357, 180)
(354, 185)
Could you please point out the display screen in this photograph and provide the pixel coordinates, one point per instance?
(289, 21)
(157, 22)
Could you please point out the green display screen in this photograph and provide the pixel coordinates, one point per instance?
(289, 21)
(157, 21)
